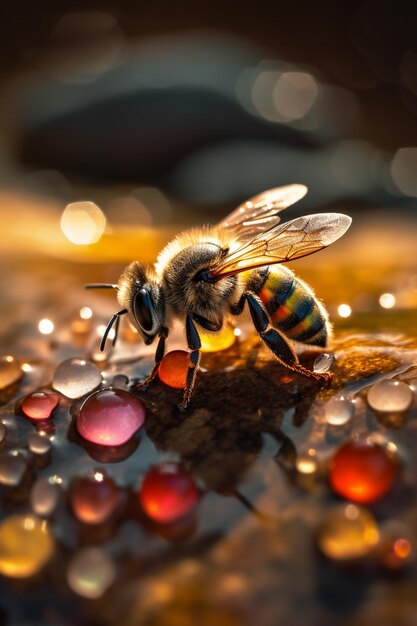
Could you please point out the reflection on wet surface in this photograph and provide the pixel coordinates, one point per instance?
(256, 439)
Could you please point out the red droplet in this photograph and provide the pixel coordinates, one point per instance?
(168, 493)
(94, 499)
(110, 417)
(173, 369)
(39, 405)
(362, 471)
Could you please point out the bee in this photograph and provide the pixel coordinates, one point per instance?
(207, 274)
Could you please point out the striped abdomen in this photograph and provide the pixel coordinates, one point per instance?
(293, 308)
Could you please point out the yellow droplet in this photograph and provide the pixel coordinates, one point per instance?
(25, 545)
(214, 342)
(348, 532)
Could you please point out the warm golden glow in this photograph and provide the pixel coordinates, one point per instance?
(83, 222)
(86, 313)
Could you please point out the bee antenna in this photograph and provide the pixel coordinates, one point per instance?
(100, 286)
(115, 319)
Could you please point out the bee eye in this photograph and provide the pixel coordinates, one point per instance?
(142, 308)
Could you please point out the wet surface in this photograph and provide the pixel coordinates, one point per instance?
(248, 554)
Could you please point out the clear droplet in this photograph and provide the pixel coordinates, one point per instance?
(75, 378)
(12, 469)
(324, 363)
(348, 532)
(338, 410)
(10, 371)
(90, 572)
(110, 417)
(44, 496)
(39, 443)
(39, 405)
(390, 396)
(25, 545)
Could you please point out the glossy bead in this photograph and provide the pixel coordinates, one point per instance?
(25, 546)
(214, 342)
(12, 469)
(324, 362)
(362, 471)
(348, 532)
(39, 405)
(390, 396)
(90, 573)
(44, 496)
(75, 378)
(94, 498)
(110, 417)
(338, 411)
(10, 371)
(168, 493)
(173, 369)
(39, 443)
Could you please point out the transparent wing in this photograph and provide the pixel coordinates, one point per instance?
(286, 242)
(260, 213)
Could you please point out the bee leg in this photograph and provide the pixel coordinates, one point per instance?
(194, 344)
(276, 341)
(159, 355)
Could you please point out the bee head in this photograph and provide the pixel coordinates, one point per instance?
(142, 296)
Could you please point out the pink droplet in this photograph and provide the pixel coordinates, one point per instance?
(110, 417)
(168, 493)
(39, 405)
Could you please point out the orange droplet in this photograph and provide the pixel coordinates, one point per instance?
(362, 471)
(402, 548)
(173, 369)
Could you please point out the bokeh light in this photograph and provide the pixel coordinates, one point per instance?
(387, 300)
(83, 222)
(404, 170)
(344, 310)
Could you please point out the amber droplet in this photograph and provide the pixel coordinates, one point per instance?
(173, 369)
(39, 405)
(25, 545)
(347, 532)
(168, 493)
(214, 342)
(362, 471)
(110, 417)
(94, 498)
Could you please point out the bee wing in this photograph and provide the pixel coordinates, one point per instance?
(286, 242)
(260, 213)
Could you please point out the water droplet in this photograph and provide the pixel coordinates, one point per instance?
(25, 546)
(90, 572)
(390, 396)
(324, 363)
(39, 405)
(348, 532)
(12, 469)
(110, 417)
(121, 381)
(75, 378)
(173, 369)
(44, 496)
(10, 371)
(168, 493)
(362, 471)
(338, 410)
(39, 443)
(94, 498)
(214, 342)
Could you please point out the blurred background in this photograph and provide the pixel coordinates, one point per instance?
(168, 115)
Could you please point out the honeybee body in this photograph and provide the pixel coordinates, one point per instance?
(293, 308)
(208, 274)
